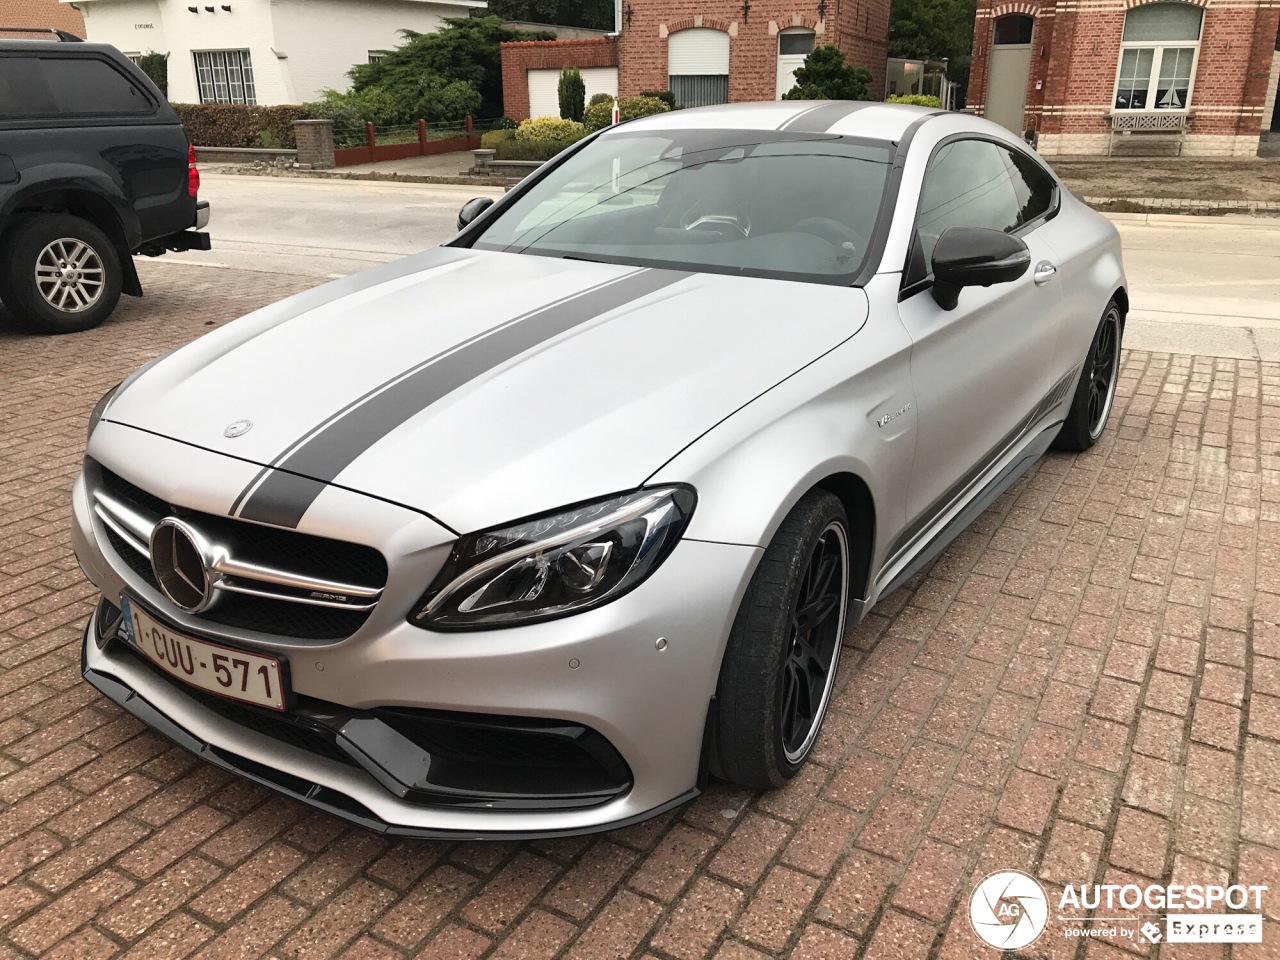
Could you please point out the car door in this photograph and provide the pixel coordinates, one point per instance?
(981, 369)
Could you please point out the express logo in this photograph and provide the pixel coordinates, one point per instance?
(1008, 910)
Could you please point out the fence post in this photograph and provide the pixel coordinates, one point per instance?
(422, 137)
(315, 143)
(370, 140)
(468, 124)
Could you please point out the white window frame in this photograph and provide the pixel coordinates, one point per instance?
(1159, 49)
(376, 56)
(214, 86)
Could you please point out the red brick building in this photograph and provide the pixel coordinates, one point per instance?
(704, 51)
(1138, 76)
(41, 13)
(716, 50)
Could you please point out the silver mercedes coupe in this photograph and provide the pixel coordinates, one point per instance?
(532, 533)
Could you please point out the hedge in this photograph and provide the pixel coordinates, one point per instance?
(236, 125)
(492, 138)
(914, 99)
(529, 149)
(601, 115)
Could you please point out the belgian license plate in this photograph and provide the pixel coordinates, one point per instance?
(237, 674)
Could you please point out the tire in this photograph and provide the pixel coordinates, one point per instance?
(766, 720)
(1096, 391)
(34, 287)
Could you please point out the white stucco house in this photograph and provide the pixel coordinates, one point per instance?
(261, 51)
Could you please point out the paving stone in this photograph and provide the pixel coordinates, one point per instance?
(1085, 683)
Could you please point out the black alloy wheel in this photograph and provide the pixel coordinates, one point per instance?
(816, 626)
(1096, 389)
(779, 667)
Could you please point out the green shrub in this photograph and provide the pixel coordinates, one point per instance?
(545, 129)
(268, 140)
(824, 76)
(666, 96)
(572, 94)
(600, 98)
(530, 149)
(601, 115)
(504, 123)
(428, 97)
(914, 99)
(156, 66)
(237, 125)
(494, 137)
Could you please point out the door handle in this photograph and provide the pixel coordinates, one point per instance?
(1043, 273)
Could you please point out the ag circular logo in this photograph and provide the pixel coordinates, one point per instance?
(1008, 910)
(238, 428)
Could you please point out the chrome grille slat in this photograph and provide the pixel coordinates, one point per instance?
(128, 532)
(130, 516)
(310, 601)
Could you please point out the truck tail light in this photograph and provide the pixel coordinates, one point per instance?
(193, 175)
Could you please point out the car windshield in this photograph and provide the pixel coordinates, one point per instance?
(756, 203)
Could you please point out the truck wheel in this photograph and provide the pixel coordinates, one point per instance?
(59, 274)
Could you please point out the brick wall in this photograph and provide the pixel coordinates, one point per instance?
(41, 13)
(524, 55)
(860, 29)
(1076, 53)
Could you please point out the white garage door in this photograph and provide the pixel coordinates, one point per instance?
(544, 86)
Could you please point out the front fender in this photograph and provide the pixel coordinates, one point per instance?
(824, 421)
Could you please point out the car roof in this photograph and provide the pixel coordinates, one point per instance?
(854, 118)
(51, 44)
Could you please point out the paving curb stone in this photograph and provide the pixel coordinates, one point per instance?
(1084, 686)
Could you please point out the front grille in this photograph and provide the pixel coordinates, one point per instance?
(289, 611)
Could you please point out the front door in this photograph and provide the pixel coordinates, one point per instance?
(1008, 71)
(980, 370)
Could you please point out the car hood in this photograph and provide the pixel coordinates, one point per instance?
(482, 387)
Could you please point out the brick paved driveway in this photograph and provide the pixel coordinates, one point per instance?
(1085, 686)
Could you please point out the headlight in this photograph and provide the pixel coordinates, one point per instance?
(98, 408)
(556, 564)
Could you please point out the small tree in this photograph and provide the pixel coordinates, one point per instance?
(156, 66)
(573, 94)
(824, 76)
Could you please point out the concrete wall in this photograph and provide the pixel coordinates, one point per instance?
(297, 47)
(325, 38)
(166, 26)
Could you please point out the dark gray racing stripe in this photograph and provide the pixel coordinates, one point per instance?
(286, 489)
(823, 117)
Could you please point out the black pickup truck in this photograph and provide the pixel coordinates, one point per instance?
(94, 168)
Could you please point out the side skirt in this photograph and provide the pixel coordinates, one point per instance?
(987, 496)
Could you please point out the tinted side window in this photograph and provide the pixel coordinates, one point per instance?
(967, 184)
(1031, 184)
(23, 90)
(74, 86)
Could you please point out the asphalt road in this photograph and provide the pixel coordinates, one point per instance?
(1199, 285)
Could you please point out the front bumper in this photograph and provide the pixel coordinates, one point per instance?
(601, 670)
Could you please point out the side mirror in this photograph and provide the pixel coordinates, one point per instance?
(472, 209)
(975, 257)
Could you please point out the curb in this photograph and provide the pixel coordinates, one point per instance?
(375, 176)
(1203, 208)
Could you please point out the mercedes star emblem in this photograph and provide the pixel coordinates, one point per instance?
(180, 565)
(238, 428)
